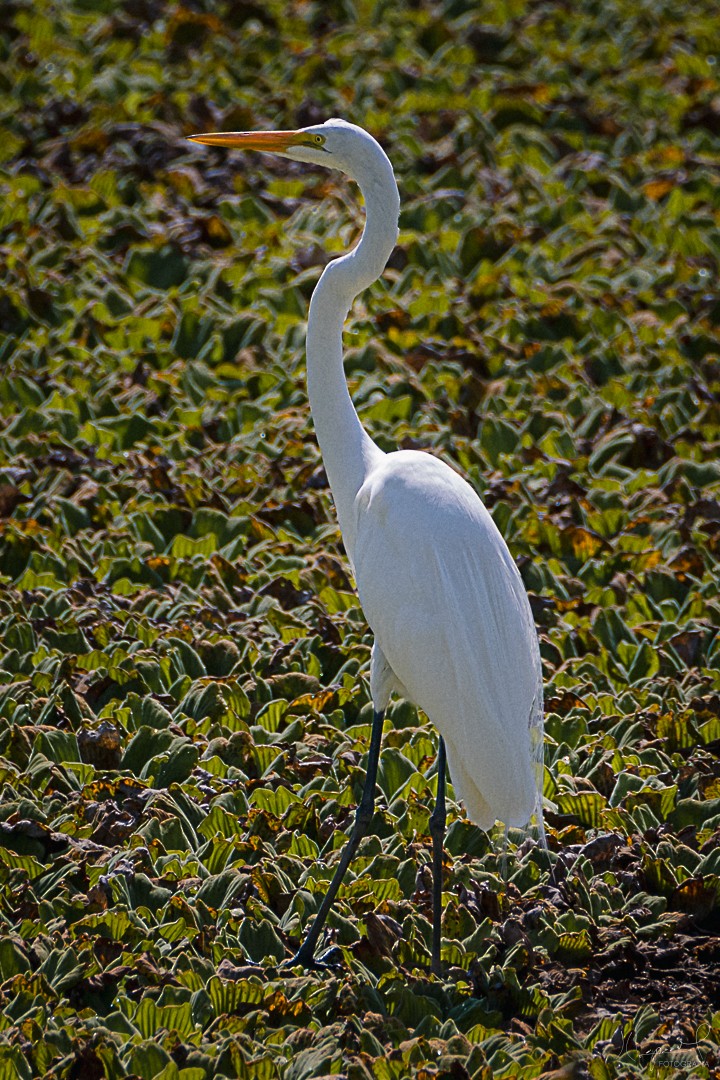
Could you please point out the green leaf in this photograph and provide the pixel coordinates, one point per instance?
(227, 997)
(162, 268)
(584, 805)
(148, 1059)
(259, 940)
(393, 771)
(275, 801)
(12, 958)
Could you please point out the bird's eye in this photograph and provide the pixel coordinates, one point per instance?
(319, 140)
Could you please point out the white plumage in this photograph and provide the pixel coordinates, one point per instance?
(451, 617)
(452, 623)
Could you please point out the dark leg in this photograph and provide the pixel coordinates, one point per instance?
(437, 831)
(363, 817)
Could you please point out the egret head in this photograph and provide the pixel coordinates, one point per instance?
(334, 144)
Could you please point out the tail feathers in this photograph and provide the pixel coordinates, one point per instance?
(476, 807)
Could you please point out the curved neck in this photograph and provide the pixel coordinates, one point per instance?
(348, 451)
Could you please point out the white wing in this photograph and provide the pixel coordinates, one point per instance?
(448, 608)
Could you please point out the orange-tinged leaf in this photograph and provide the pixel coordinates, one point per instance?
(656, 189)
(583, 543)
(552, 309)
(647, 560)
(156, 562)
(317, 702)
(668, 155)
(541, 93)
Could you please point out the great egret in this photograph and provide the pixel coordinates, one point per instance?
(453, 628)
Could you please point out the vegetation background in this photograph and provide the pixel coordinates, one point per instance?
(183, 694)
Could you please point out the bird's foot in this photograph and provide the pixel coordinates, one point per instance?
(330, 960)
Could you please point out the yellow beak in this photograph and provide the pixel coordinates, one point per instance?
(271, 141)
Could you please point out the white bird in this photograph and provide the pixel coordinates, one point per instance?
(454, 633)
